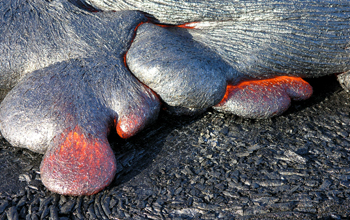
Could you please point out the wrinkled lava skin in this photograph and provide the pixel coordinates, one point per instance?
(72, 70)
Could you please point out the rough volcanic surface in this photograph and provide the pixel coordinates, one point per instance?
(215, 166)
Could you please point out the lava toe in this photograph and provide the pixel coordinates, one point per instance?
(66, 110)
(263, 98)
(78, 164)
(184, 73)
(127, 126)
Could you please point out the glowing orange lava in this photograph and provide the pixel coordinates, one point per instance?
(296, 83)
(129, 126)
(78, 164)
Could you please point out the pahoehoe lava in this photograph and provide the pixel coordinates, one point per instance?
(66, 85)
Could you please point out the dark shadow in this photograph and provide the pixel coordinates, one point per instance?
(137, 153)
(323, 88)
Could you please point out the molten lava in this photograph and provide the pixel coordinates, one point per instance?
(78, 164)
(292, 85)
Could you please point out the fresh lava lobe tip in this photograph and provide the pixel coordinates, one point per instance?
(296, 87)
(264, 98)
(78, 164)
(129, 126)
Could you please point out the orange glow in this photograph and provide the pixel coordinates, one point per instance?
(78, 165)
(165, 25)
(124, 59)
(129, 126)
(137, 26)
(132, 40)
(268, 84)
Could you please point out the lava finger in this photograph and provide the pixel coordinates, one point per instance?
(263, 98)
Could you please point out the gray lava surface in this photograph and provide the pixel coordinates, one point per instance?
(214, 166)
